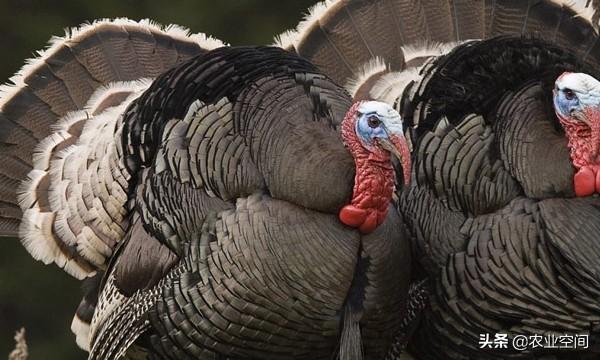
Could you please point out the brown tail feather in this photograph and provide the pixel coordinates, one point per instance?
(440, 23)
(469, 19)
(342, 36)
(46, 130)
(64, 77)
(346, 38)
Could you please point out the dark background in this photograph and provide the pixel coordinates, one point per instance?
(43, 298)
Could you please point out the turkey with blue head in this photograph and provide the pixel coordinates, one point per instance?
(500, 102)
(218, 202)
(577, 104)
(235, 203)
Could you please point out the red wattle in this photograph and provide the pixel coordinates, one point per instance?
(584, 143)
(585, 182)
(352, 216)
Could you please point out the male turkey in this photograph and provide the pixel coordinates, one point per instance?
(206, 195)
(503, 206)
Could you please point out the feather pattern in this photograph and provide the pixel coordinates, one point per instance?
(490, 160)
(62, 79)
(255, 253)
(491, 205)
(201, 187)
(65, 188)
(85, 188)
(325, 35)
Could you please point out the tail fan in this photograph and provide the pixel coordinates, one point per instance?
(64, 187)
(49, 109)
(370, 46)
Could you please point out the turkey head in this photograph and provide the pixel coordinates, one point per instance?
(373, 131)
(577, 105)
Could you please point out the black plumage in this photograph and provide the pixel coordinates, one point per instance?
(212, 249)
(203, 204)
(493, 158)
(205, 197)
(490, 161)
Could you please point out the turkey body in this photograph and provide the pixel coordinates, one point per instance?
(201, 198)
(247, 180)
(196, 188)
(502, 242)
(507, 247)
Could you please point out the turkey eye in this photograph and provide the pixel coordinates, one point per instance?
(569, 94)
(373, 121)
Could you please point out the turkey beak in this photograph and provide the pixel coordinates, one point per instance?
(581, 116)
(397, 146)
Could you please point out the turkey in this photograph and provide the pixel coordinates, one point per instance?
(206, 197)
(217, 202)
(500, 100)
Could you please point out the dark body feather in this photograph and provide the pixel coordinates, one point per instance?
(504, 243)
(213, 222)
(195, 189)
(240, 172)
(490, 160)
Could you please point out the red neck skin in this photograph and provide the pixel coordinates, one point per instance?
(373, 182)
(584, 142)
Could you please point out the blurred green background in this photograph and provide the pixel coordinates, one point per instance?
(43, 298)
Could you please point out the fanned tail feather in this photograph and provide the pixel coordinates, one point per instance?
(63, 186)
(361, 44)
(63, 78)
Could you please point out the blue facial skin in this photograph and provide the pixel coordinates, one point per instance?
(566, 101)
(367, 133)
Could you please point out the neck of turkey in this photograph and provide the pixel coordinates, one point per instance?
(577, 105)
(373, 132)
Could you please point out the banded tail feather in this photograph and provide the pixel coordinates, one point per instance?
(67, 102)
(114, 124)
(63, 187)
(371, 46)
